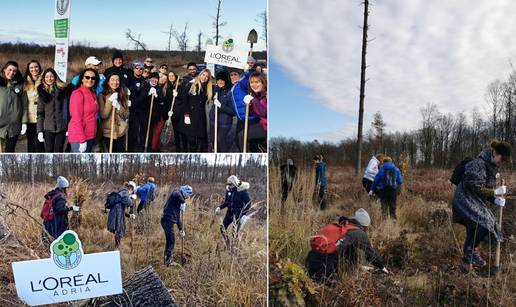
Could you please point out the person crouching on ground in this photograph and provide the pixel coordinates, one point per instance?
(238, 203)
(477, 188)
(337, 242)
(371, 171)
(172, 216)
(55, 217)
(388, 180)
(117, 203)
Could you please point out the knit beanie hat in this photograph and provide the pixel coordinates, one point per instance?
(362, 217)
(62, 182)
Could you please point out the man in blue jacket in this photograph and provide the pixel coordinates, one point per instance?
(172, 215)
(146, 193)
(321, 181)
(387, 181)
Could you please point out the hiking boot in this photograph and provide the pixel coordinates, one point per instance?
(466, 267)
(477, 259)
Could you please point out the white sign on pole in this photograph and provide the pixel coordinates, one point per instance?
(226, 55)
(68, 274)
(62, 35)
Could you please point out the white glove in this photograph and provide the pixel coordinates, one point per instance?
(182, 233)
(174, 93)
(182, 207)
(371, 193)
(128, 92)
(66, 133)
(129, 103)
(243, 220)
(217, 210)
(116, 105)
(41, 137)
(132, 216)
(217, 103)
(500, 201)
(153, 92)
(385, 270)
(82, 147)
(248, 99)
(170, 113)
(76, 208)
(23, 129)
(502, 190)
(113, 97)
(133, 196)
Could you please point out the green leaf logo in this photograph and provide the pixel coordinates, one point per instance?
(67, 250)
(228, 45)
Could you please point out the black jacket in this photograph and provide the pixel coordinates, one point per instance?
(172, 209)
(195, 106)
(143, 101)
(226, 111)
(237, 200)
(135, 85)
(124, 73)
(51, 113)
(60, 222)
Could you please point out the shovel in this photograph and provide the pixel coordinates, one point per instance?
(252, 39)
(183, 258)
(216, 125)
(168, 131)
(149, 124)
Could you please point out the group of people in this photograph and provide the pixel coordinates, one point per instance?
(126, 110)
(478, 184)
(120, 204)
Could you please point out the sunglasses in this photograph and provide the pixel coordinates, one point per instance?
(148, 61)
(92, 78)
(138, 68)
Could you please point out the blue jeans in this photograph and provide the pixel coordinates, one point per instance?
(89, 146)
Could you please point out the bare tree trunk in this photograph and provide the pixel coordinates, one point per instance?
(362, 88)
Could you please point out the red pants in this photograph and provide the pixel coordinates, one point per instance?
(158, 127)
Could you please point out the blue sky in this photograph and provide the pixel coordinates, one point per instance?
(104, 23)
(442, 52)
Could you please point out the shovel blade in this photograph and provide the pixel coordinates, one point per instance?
(252, 38)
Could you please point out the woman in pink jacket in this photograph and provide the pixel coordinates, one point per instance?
(257, 131)
(82, 128)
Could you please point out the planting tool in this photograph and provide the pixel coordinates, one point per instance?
(149, 124)
(168, 130)
(252, 39)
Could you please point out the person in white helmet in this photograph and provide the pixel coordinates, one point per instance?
(117, 203)
(238, 203)
(55, 209)
(341, 241)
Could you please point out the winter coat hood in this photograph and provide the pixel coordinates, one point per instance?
(243, 186)
(486, 155)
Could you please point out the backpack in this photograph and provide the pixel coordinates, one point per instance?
(47, 212)
(112, 200)
(389, 179)
(325, 242)
(458, 171)
(150, 194)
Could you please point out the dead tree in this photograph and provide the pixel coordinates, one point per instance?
(182, 38)
(170, 34)
(362, 88)
(199, 43)
(262, 19)
(144, 288)
(136, 41)
(217, 23)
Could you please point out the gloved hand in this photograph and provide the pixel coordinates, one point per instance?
(128, 92)
(41, 137)
(116, 105)
(133, 196)
(66, 133)
(385, 270)
(243, 220)
(174, 93)
(217, 210)
(182, 233)
(76, 208)
(182, 207)
(113, 97)
(501, 190)
(248, 99)
(128, 103)
(23, 129)
(153, 92)
(217, 103)
(82, 147)
(370, 193)
(170, 113)
(132, 216)
(499, 201)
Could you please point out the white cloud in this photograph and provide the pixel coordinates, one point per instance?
(443, 52)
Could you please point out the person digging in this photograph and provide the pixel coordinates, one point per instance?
(238, 203)
(476, 181)
(340, 242)
(174, 208)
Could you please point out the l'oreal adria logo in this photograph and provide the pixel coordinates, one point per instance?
(228, 45)
(66, 251)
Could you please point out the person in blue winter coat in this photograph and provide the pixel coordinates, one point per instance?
(174, 207)
(146, 193)
(321, 182)
(387, 181)
(238, 92)
(238, 203)
(118, 203)
(60, 209)
(226, 112)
